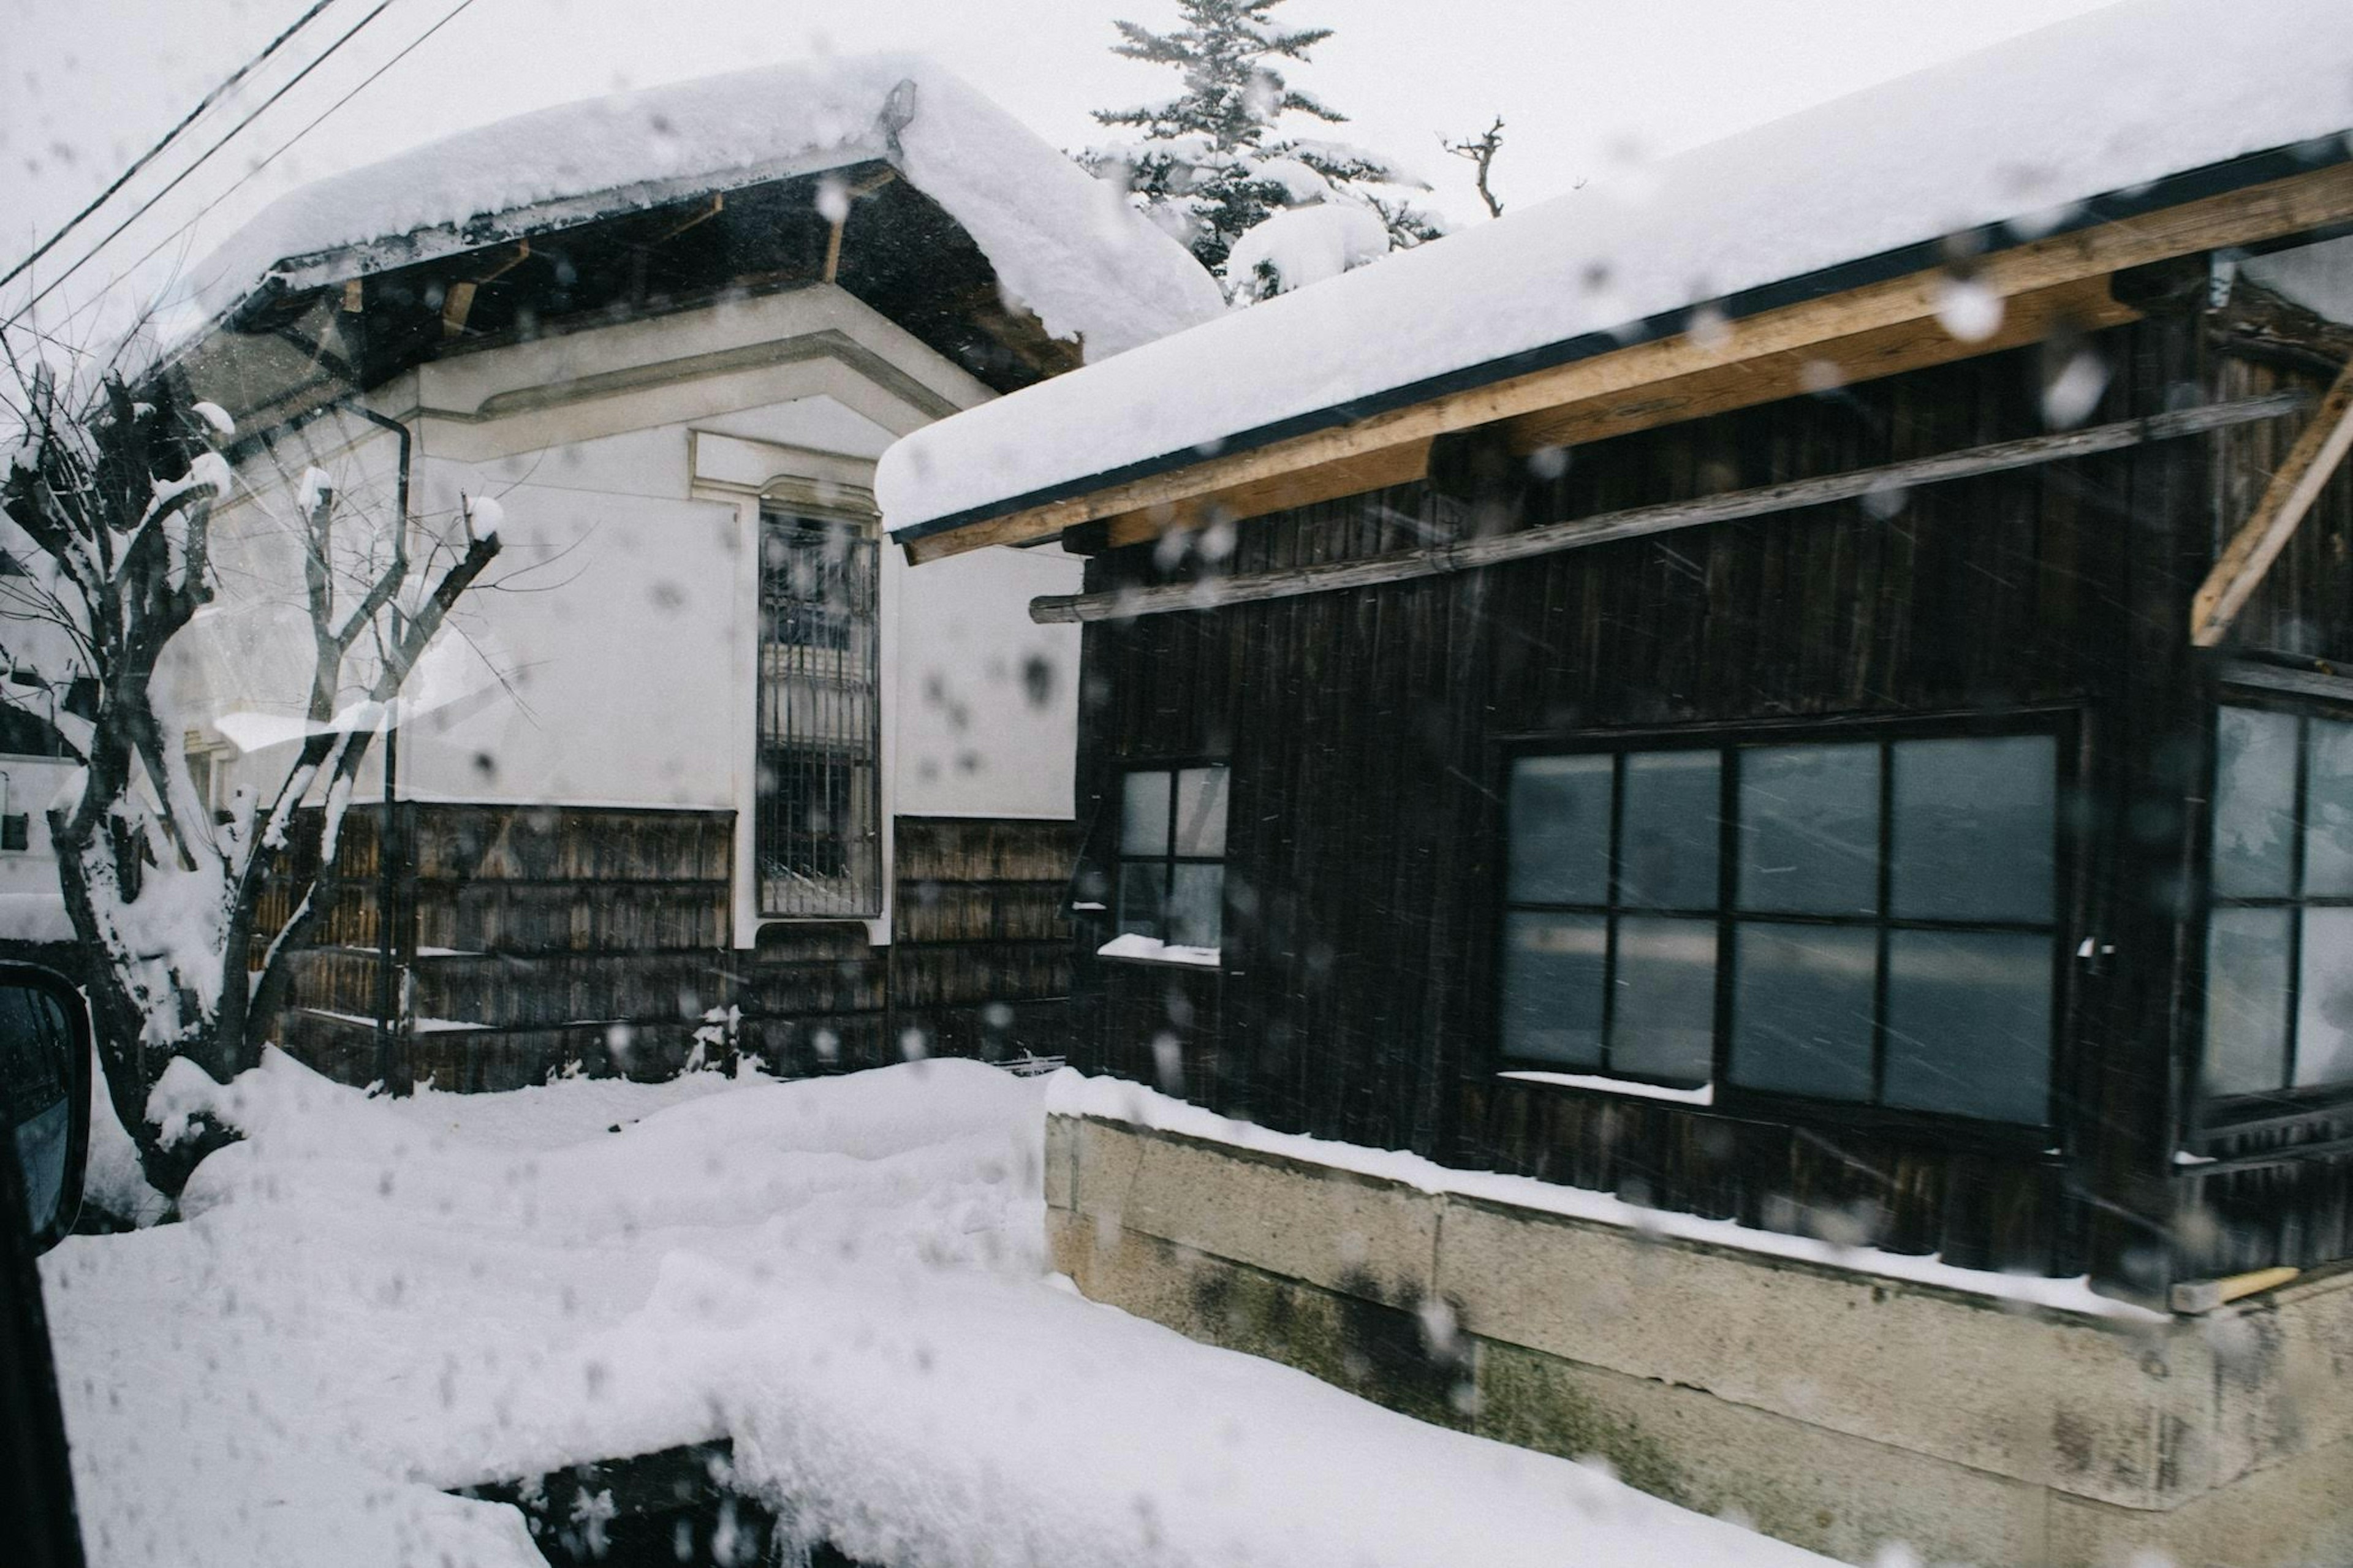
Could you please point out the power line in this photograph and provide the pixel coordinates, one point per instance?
(148, 157)
(448, 18)
(145, 206)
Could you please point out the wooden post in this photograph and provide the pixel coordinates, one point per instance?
(2297, 485)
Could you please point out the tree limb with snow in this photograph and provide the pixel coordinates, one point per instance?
(188, 917)
(1213, 164)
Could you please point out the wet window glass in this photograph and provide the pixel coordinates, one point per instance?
(1802, 1006)
(1974, 825)
(1553, 988)
(1672, 825)
(1968, 1024)
(2255, 803)
(1560, 829)
(1809, 829)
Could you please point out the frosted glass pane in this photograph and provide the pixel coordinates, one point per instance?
(2246, 1000)
(1802, 1009)
(1143, 896)
(1196, 906)
(1669, 829)
(1974, 825)
(2324, 1017)
(2328, 810)
(1144, 814)
(1201, 810)
(1552, 988)
(2254, 802)
(1809, 829)
(1560, 829)
(1665, 1021)
(1968, 1024)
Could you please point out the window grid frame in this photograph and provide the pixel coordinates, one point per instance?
(1729, 743)
(2240, 1105)
(1168, 860)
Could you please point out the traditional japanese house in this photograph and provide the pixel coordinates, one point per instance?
(700, 767)
(1758, 758)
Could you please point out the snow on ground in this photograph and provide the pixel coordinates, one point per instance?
(372, 1301)
(2021, 133)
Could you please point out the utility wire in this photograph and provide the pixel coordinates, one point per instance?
(149, 203)
(148, 157)
(448, 18)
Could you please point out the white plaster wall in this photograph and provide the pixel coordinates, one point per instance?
(609, 657)
(987, 701)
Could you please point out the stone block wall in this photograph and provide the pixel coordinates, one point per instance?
(1832, 1408)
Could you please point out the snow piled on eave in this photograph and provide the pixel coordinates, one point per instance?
(2020, 132)
(1064, 244)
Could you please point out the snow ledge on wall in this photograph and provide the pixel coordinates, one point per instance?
(1073, 1093)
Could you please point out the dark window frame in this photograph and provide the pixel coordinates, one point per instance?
(1168, 860)
(2247, 1111)
(2065, 725)
(817, 720)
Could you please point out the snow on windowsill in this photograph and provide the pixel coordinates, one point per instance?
(1075, 1094)
(1704, 1095)
(1136, 948)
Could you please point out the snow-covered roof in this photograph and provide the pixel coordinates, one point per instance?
(2021, 135)
(1064, 244)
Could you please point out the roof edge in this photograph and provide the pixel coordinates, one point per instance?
(1983, 240)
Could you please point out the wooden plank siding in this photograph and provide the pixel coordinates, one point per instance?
(1365, 729)
(558, 936)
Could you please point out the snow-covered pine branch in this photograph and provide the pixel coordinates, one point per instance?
(1212, 164)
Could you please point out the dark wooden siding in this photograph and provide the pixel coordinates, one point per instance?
(1365, 731)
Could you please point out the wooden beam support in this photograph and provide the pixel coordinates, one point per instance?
(459, 302)
(1908, 305)
(1440, 560)
(2294, 488)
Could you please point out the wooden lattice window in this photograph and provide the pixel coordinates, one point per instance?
(817, 831)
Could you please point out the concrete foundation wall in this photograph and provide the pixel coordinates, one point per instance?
(1834, 1408)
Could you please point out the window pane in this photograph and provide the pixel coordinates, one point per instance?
(2246, 1000)
(1668, 830)
(2323, 1014)
(1143, 895)
(1144, 814)
(1801, 1004)
(1809, 829)
(1968, 1024)
(1201, 810)
(1973, 830)
(1560, 829)
(1195, 901)
(2328, 810)
(1664, 1025)
(1552, 988)
(2254, 806)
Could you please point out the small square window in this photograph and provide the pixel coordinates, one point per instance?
(16, 831)
(1172, 847)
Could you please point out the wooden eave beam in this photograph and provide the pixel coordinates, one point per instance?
(1868, 327)
(1550, 539)
(459, 302)
(2294, 486)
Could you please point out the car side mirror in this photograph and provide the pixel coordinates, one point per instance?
(45, 1063)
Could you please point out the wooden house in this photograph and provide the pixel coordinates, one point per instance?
(700, 767)
(1805, 692)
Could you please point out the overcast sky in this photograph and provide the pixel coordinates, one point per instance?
(1583, 86)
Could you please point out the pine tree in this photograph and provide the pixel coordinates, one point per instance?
(1212, 165)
